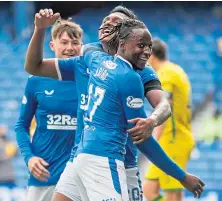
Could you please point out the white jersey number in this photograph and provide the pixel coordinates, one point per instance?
(83, 102)
(98, 96)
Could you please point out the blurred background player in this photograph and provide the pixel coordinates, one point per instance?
(7, 151)
(174, 135)
(54, 104)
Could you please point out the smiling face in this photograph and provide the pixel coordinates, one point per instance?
(65, 46)
(137, 48)
(66, 39)
(107, 25)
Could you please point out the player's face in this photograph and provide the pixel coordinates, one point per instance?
(108, 23)
(65, 47)
(138, 47)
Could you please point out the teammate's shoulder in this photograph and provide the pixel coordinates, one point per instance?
(125, 65)
(72, 61)
(127, 74)
(95, 45)
(149, 68)
(80, 64)
(31, 76)
(34, 80)
(148, 71)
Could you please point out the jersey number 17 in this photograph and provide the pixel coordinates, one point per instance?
(96, 95)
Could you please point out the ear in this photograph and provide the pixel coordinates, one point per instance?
(51, 45)
(122, 44)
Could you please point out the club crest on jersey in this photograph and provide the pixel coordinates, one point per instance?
(134, 102)
(109, 64)
(49, 93)
(24, 100)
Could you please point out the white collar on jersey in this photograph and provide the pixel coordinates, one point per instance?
(81, 51)
(116, 55)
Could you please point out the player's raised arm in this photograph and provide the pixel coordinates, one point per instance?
(34, 62)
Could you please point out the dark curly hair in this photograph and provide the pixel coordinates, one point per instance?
(122, 30)
(122, 9)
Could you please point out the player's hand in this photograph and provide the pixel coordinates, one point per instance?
(45, 18)
(193, 184)
(142, 130)
(37, 168)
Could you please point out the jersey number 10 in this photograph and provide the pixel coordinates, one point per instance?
(96, 95)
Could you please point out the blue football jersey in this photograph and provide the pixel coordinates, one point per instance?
(112, 100)
(75, 69)
(54, 105)
(147, 74)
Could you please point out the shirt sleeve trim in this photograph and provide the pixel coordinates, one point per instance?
(57, 69)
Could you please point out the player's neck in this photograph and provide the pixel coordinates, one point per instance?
(108, 49)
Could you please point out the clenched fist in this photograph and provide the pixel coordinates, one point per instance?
(45, 18)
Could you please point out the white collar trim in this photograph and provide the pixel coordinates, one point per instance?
(116, 55)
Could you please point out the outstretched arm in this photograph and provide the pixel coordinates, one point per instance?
(34, 62)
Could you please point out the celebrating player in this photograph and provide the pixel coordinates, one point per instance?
(112, 101)
(54, 104)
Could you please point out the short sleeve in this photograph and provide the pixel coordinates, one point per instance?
(131, 97)
(91, 52)
(148, 74)
(66, 68)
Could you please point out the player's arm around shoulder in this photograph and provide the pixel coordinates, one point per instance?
(92, 53)
(34, 62)
(162, 111)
